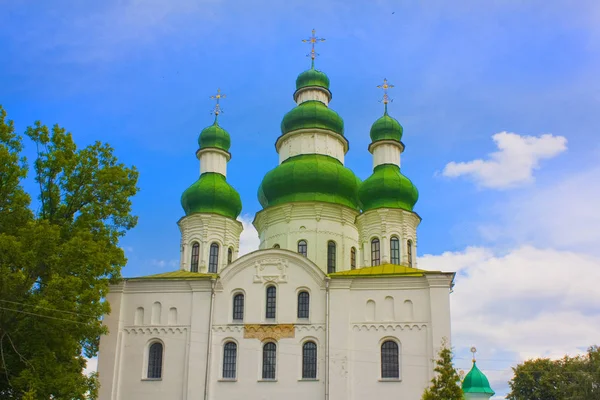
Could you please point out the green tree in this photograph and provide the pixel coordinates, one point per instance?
(570, 378)
(56, 262)
(446, 383)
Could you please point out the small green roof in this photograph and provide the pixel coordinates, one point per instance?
(310, 177)
(386, 128)
(476, 382)
(214, 136)
(312, 114)
(312, 77)
(178, 275)
(212, 194)
(388, 188)
(383, 270)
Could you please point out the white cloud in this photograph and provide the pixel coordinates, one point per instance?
(164, 263)
(249, 240)
(530, 302)
(91, 366)
(514, 162)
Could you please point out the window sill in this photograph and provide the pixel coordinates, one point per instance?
(390, 380)
(151, 379)
(237, 322)
(267, 380)
(228, 380)
(308, 380)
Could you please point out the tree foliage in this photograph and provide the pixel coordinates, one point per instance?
(57, 261)
(570, 378)
(446, 383)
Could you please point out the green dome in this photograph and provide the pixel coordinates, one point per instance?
(476, 382)
(312, 114)
(388, 188)
(312, 77)
(212, 194)
(310, 177)
(386, 128)
(214, 136)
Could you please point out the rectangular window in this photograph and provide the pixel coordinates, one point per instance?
(395, 249)
(238, 307)
(269, 360)
(309, 360)
(303, 304)
(229, 360)
(330, 257)
(195, 256)
(213, 259)
(271, 302)
(353, 258)
(375, 252)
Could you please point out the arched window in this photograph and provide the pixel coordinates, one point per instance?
(330, 257)
(213, 260)
(195, 257)
(390, 367)
(155, 357)
(352, 258)
(303, 248)
(303, 304)
(275, 246)
(229, 360)
(269, 360)
(309, 360)
(409, 252)
(229, 255)
(395, 250)
(375, 252)
(271, 302)
(238, 307)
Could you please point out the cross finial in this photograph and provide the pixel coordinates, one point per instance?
(313, 40)
(217, 97)
(473, 350)
(386, 99)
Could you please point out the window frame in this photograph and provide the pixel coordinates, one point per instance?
(195, 257)
(303, 308)
(353, 257)
(303, 244)
(375, 252)
(273, 356)
(390, 368)
(235, 311)
(271, 303)
(213, 258)
(331, 256)
(395, 242)
(232, 365)
(409, 249)
(310, 371)
(229, 255)
(151, 374)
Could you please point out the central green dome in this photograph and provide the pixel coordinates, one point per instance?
(212, 194)
(476, 382)
(388, 188)
(386, 128)
(310, 177)
(312, 77)
(312, 114)
(214, 136)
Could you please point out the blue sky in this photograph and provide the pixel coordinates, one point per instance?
(138, 74)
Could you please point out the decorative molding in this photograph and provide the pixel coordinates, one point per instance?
(275, 332)
(310, 328)
(228, 328)
(265, 274)
(155, 330)
(387, 327)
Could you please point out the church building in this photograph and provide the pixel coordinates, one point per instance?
(332, 305)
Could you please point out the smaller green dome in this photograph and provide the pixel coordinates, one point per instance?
(312, 114)
(312, 77)
(214, 136)
(388, 188)
(310, 177)
(386, 128)
(476, 382)
(212, 194)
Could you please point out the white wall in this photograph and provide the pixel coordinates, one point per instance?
(312, 141)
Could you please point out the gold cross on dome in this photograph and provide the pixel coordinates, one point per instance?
(313, 40)
(217, 110)
(385, 87)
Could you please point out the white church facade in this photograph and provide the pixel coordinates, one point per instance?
(331, 306)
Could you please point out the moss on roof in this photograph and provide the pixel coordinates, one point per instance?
(384, 270)
(179, 275)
